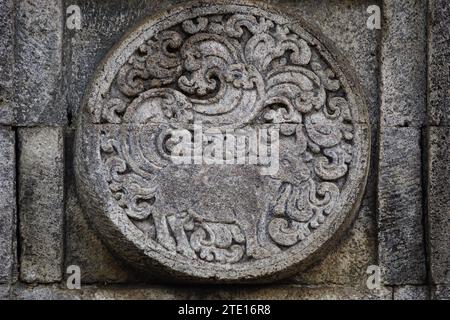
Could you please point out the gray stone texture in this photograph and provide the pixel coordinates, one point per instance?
(358, 249)
(38, 62)
(7, 205)
(82, 245)
(438, 60)
(347, 264)
(412, 293)
(84, 248)
(6, 61)
(343, 21)
(41, 203)
(403, 63)
(441, 292)
(439, 204)
(401, 235)
(271, 292)
(4, 292)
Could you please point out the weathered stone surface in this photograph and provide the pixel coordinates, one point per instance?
(411, 293)
(38, 62)
(103, 23)
(49, 292)
(240, 293)
(235, 222)
(441, 292)
(4, 292)
(438, 59)
(186, 293)
(6, 61)
(83, 247)
(403, 63)
(7, 204)
(287, 292)
(41, 203)
(439, 204)
(401, 237)
(341, 21)
(347, 264)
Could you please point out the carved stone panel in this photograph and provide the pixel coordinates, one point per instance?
(247, 72)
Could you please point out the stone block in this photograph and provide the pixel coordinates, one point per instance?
(401, 234)
(6, 61)
(38, 62)
(441, 293)
(7, 204)
(438, 62)
(411, 293)
(44, 292)
(403, 63)
(41, 203)
(4, 292)
(439, 204)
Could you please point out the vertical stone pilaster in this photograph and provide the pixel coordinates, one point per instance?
(439, 63)
(41, 203)
(7, 205)
(439, 204)
(403, 63)
(6, 61)
(38, 66)
(401, 241)
(402, 115)
(438, 152)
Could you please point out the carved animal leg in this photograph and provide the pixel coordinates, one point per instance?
(285, 191)
(253, 247)
(183, 245)
(163, 236)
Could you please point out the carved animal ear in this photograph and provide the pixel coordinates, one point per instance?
(159, 106)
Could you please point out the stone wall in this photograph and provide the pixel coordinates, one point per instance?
(403, 222)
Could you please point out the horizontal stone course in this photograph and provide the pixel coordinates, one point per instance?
(411, 293)
(270, 292)
(441, 292)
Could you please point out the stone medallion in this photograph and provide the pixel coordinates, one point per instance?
(292, 128)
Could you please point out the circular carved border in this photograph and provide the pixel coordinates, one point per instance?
(113, 108)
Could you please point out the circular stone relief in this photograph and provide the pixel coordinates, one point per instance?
(222, 142)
